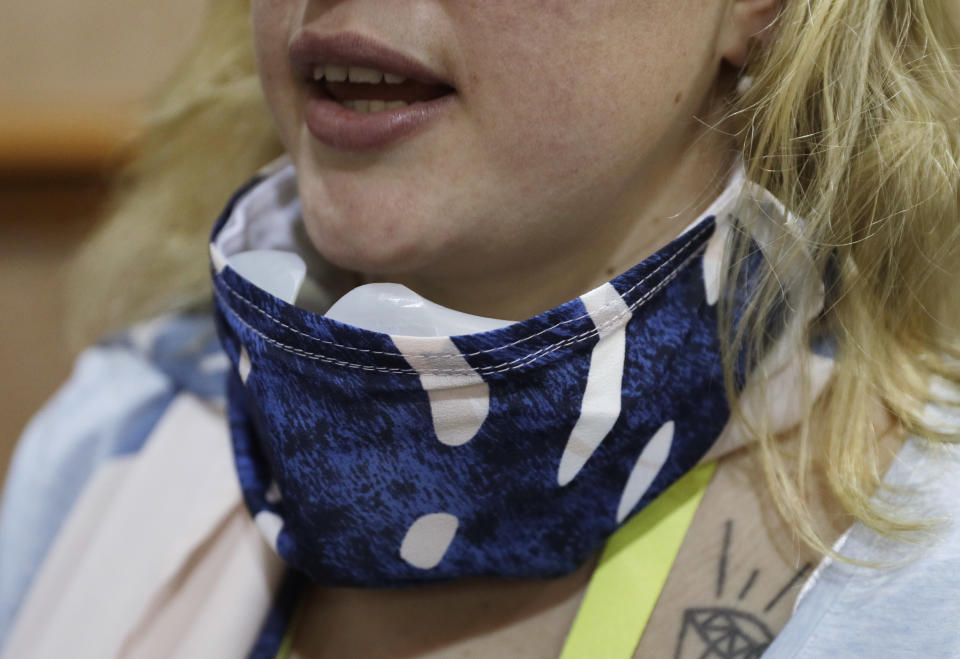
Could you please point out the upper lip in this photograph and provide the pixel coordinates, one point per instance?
(310, 49)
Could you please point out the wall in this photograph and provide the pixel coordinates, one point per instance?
(74, 77)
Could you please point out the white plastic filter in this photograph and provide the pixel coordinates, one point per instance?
(381, 307)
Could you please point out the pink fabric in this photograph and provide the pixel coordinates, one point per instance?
(158, 558)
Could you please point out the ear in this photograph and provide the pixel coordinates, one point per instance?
(747, 20)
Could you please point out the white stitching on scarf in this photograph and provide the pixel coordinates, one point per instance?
(491, 369)
(693, 238)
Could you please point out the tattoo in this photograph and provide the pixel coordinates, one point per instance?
(720, 632)
(790, 584)
(722, 570)
(747, 586)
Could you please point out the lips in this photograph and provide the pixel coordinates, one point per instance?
(309, 50)
(340, 114)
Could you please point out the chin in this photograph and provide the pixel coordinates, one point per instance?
(374, 252)
(352, 230)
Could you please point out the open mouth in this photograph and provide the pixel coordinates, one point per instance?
(366, 90)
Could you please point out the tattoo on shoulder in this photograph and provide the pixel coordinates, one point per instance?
(723, 629)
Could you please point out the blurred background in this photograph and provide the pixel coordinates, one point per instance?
(74, 80)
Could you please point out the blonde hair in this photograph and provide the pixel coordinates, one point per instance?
(851, 121)
(208, 132)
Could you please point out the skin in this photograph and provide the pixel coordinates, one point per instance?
(576, 146)
(738, 558)
(573, 150)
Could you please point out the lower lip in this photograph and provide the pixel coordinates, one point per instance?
(342, 128)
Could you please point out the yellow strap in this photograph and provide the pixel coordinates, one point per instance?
(627, 582)
(283, 652)
(634, 566)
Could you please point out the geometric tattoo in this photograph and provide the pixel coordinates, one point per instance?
(724, 632)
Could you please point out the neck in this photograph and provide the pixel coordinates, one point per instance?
(656, 211)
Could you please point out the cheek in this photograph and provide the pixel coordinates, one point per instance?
(381, 222)
(269, 20)
(549, 135)
(572, 98)
(566, 121)
(273, 22)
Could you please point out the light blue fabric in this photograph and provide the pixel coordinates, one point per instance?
(116, 394)
(911, 608)
(119, 389)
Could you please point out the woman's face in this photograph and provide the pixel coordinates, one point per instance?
(569, 117)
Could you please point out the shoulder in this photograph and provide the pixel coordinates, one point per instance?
(905, 606)
(117, 392)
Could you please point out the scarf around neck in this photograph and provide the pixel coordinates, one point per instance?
(370, 459)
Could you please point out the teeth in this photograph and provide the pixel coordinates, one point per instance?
(361, 74)
(334, 73)
(366, 107)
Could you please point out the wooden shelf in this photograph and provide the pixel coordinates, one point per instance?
(40, 140)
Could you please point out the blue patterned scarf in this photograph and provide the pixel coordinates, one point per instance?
(369, 459)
